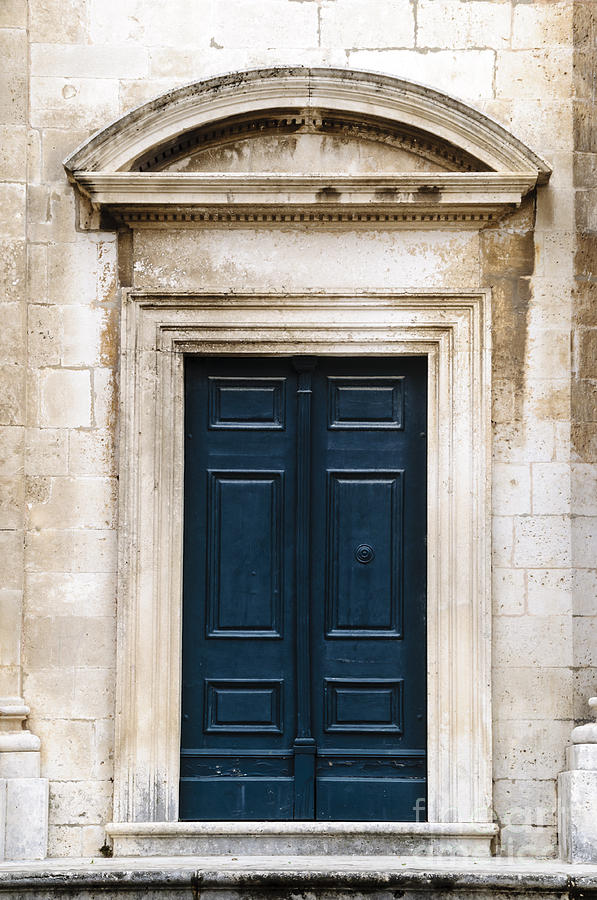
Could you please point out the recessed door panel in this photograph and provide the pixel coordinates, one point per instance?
(304, 663)
(244, 574)
(365, 402)
(364, 553)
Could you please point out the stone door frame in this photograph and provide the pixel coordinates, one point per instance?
(158, 329)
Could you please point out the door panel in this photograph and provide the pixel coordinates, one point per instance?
(329, 455)
(364, 578)
(245, 563)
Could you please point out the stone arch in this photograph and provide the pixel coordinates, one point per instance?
(144, 137)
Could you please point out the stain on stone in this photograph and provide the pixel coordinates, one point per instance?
(507, 264)
(109, 341)
(328, 195)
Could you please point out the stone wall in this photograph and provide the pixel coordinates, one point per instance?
(70, 66)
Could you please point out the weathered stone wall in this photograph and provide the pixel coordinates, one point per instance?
(87, 61)
(584, 358)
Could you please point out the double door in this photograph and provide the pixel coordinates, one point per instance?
(304, 637)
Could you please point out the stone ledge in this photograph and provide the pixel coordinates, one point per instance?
(250, 876)
(301, 838)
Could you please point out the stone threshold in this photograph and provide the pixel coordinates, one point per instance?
(301, 838)
(252, 877)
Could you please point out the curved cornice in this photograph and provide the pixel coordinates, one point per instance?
(367, 94)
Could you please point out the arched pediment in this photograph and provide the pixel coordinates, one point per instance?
(300, 138)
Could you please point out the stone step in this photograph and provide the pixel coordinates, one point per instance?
(303, 878)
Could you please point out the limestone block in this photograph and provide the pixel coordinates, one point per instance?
(12, 333)
(286, 25)
(533, 640)
(73, 102)
(13, 14)
(94, 688)
(104, 398)
(65, 398)
(519, 802)
(584, 629)
(93, 838)
(13, 80)
(502, 534)
(548, 350)
(541, 541)
(72, 272)
(11, 503)
(528, 841)
(12, 198)
(89, 61)
(508, 591)
(11, 554)
(127, 21)
(549, 592)
(511, 489)
(584, 541)
(12, 398)
(92, 452)
(387, 24)
(20, 764)
(11, 617)
(534, 74)
(543, 123)
(551, 488)
(452, 24)
(57, 20)
(12, 270)
(517, 689)
(67, 749)
(529, 749)
(541, 25)
(72, 640)
(584, 489)
(26, 818)
(56, 144)
(64, 840)
(44, 335)
(88, 502)
(13, 149)
(305, 259)
(37, 280)
(51, 213)
(86, 594)
(103, 749)
(83, 329)
(71, 551)
(46, 451)
(80, 802)
(584, 591)
(555, 254)
(12, 441)
(465, 73)
(52, 689)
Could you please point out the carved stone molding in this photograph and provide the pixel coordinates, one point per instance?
(438, 198)
(118, 169)
(452, 330)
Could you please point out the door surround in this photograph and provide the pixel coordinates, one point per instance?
(158, 329)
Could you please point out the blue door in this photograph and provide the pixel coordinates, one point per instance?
(304, 636)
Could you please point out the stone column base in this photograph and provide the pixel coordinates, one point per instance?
(577, 796)
(23, 793)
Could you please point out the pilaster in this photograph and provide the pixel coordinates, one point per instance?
(577, 795)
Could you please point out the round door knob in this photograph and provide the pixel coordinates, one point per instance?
(364, 553)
